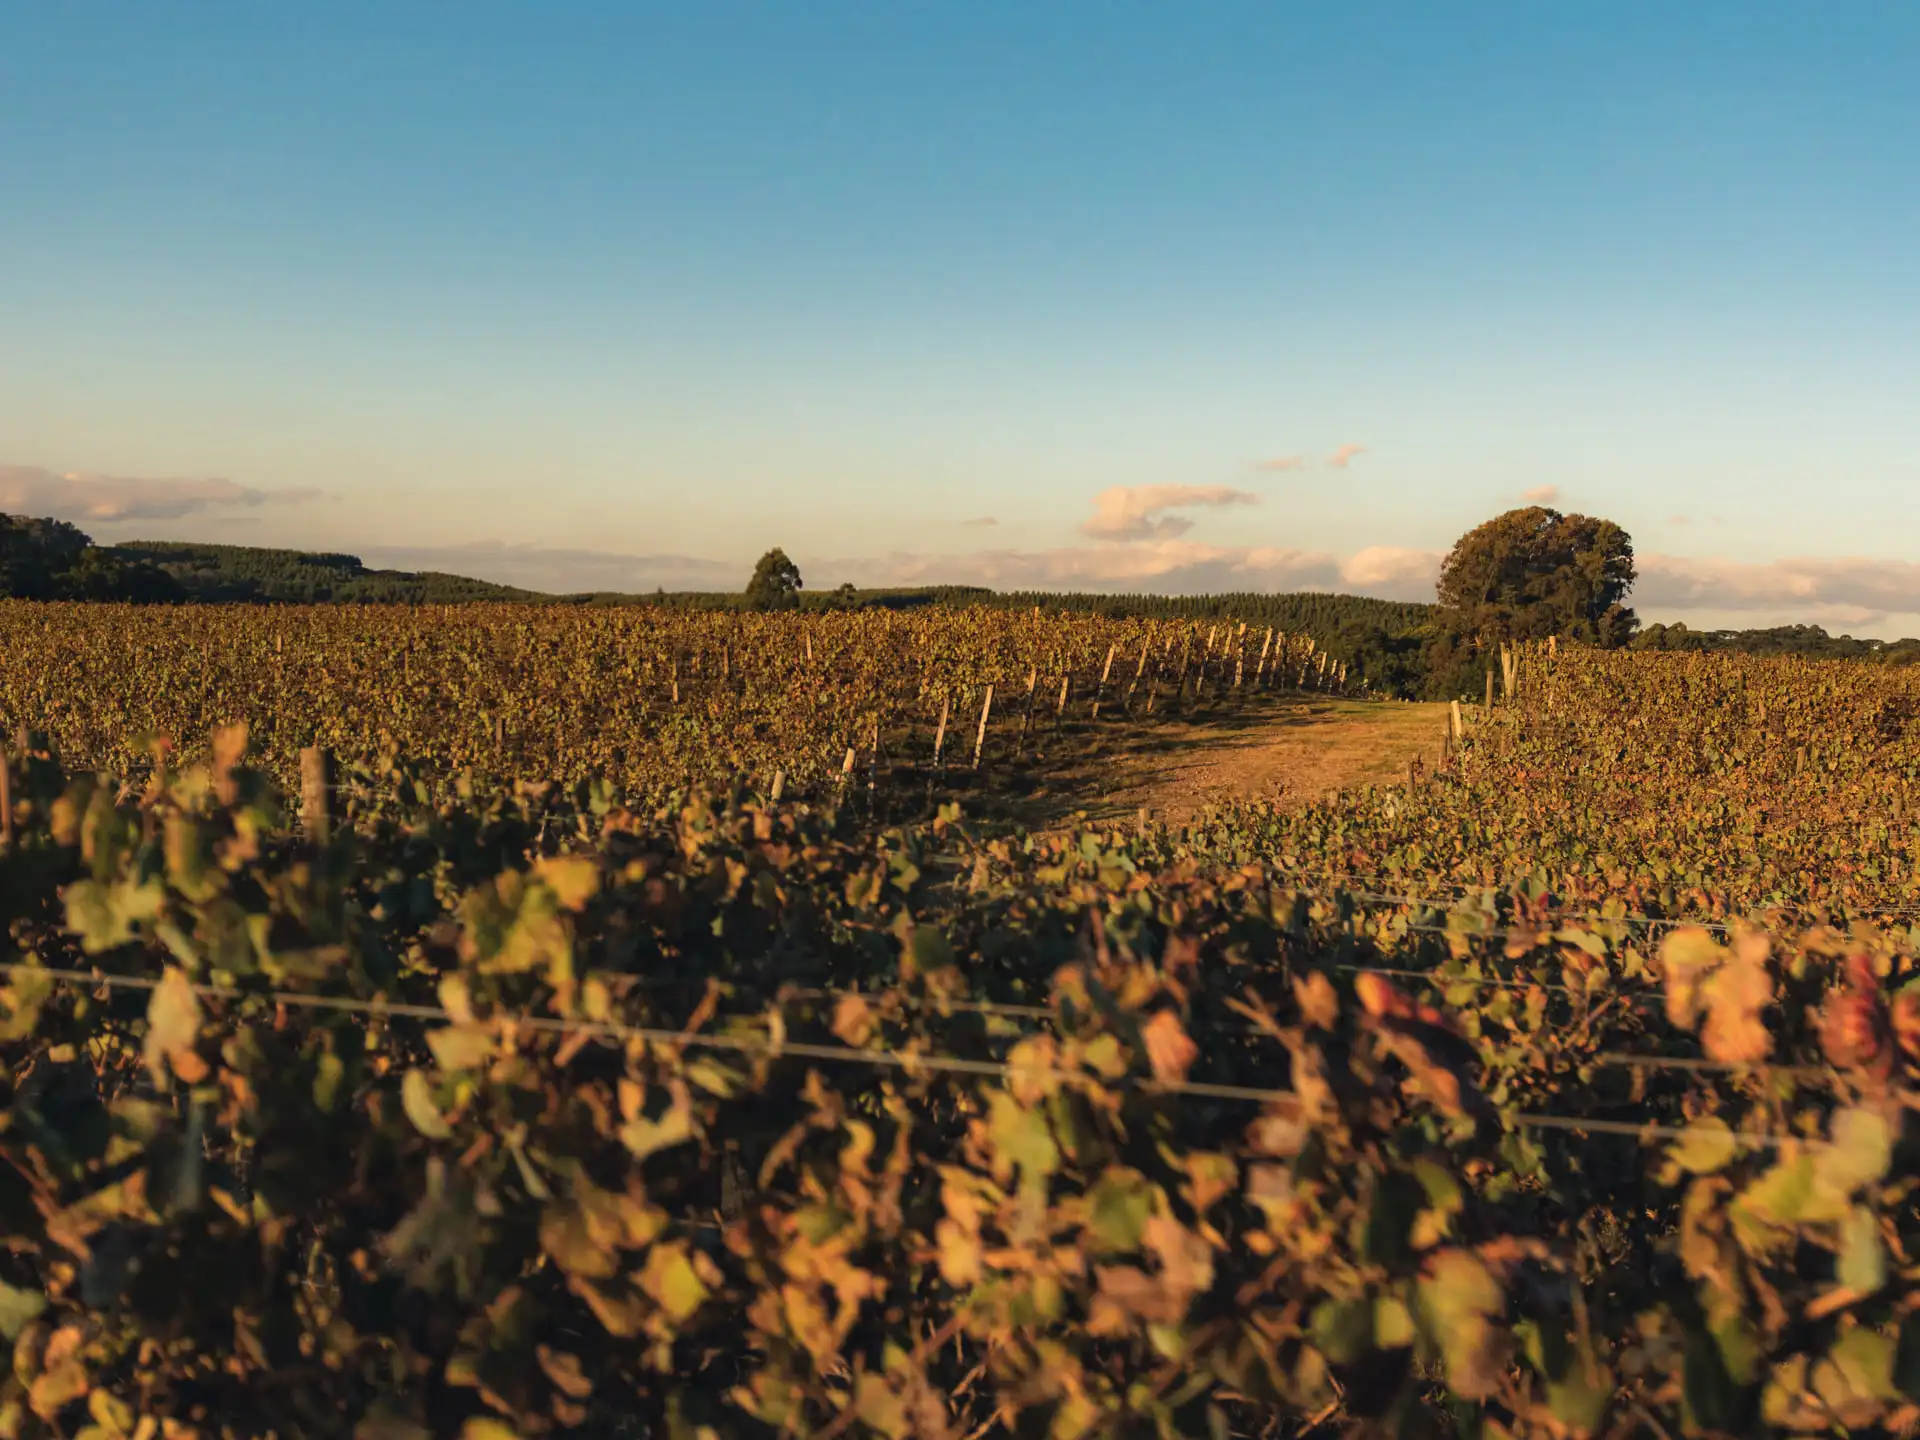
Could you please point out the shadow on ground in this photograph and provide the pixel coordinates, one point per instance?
(1286, 748)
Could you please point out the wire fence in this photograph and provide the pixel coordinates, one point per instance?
(912, 1062)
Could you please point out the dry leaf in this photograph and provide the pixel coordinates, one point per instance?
(1169, 1050)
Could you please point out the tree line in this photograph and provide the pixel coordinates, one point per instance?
(1523, 575)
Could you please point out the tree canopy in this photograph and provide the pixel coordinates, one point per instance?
(776, 582)
(1534, 572)
(42, 559)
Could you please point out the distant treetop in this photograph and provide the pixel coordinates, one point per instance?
(776, 582)
(1534, 572)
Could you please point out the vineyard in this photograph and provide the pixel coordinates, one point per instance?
(553, 1068)
(650, 701)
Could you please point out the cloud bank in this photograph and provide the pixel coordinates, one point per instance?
(34, 490)
(1541, 494)
(1855, 593)
(560, 570)
(1137, 512)
(1843, 591)
(1169, 565)
(1141, 545)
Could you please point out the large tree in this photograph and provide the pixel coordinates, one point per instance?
(776, 582)
(1532, 573)
(51, 560)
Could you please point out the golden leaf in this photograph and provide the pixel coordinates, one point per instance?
(1170, 1051)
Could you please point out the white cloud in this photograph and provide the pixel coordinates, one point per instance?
(1541, 494)
(1393, 569)
(1135, 512)
(980, 522)
(34, 490)
(1848, 590)
(1343, 457)
(1168, 565)
(1281, 463)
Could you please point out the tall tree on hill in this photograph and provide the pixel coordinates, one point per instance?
(43, 559)
(776, 582)
(36, 554)
(1534, 572)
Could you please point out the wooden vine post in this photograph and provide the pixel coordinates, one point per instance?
(1026, 713)
(940, 734)
(1146, 648)
(1100, 694)
(980, 735)
(316, 777)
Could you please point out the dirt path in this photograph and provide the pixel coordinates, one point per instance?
(1290, 749)
(1322, 746)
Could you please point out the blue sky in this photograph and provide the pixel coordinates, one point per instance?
(621, 294)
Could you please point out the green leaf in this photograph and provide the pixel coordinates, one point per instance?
(460, 1047)
(1707, 1146)
(1863, 1261)
(1791, 1193)
(670, 1279)
(1860, 1151)
(574, 879)
(568, 1236)
(416, 1098)
(1392, 1323)
(1709, 1398)
(1858, 1370)
(103, 915)
(18, 1309)
(1459, 1300)
(1117, 1209)
(714, 1078)
(930, 948)
(879, 1408)
(1021, 1137)
(643, 1137)
(1342, 1329)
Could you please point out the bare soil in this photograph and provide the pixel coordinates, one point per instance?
(1287, 749)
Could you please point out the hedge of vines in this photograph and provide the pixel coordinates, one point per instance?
(1460, 1109)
